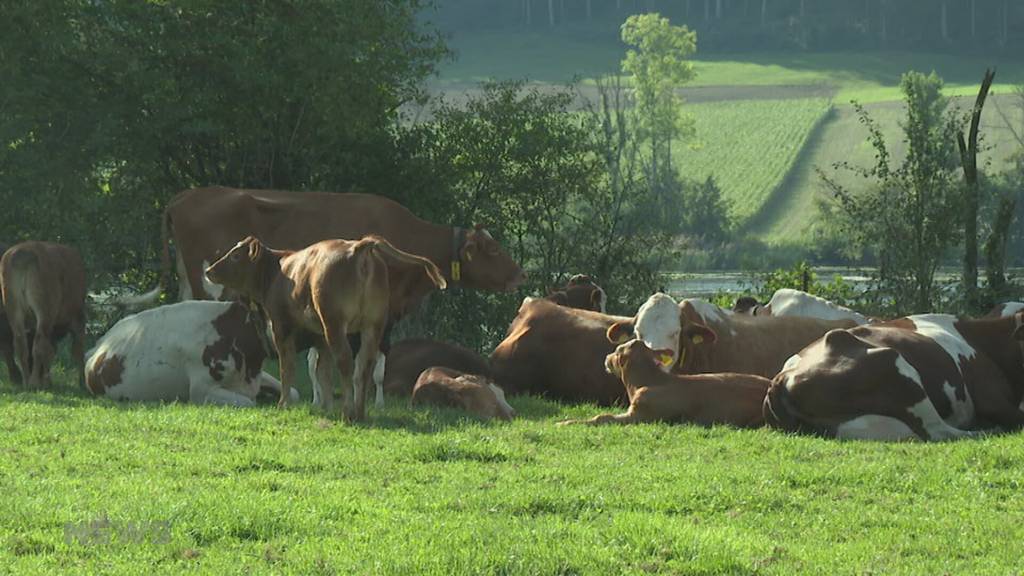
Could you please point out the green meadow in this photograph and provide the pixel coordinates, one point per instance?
(94, 487)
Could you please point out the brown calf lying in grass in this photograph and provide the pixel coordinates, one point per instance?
(471, 392)
(323, 293)
(705, 399)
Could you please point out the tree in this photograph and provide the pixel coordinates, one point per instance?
(657, 63)
(969, 162)
(912, 213)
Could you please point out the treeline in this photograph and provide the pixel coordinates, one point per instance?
(779, 24)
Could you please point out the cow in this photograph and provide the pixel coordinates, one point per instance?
(558, 352)
(580, 292)
(43, 286)
(703, 399)
(927, 377)
(196, 351)
(789, 302)
(473, 393)
(7, 339)
(205, 222)
(1005, 309)
(704, 338)
(318, 295)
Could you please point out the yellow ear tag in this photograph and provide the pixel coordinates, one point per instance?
(697, 339)
(665, 359)
(456, 270)
(469, 256)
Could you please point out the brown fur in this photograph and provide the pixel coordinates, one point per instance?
(409, 358)
(470, 392)
(106, 373)
(558, 352)
(43, 287)
(204, 223)
(579, 292)
(326, 291)
(703, 399)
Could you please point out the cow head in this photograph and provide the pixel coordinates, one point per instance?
(580, 292)
(746, 305)
(239, 269)
(632, 352)
(664, 325)
(485, 264)
(502, 409)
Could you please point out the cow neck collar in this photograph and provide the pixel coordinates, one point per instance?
(458, 242)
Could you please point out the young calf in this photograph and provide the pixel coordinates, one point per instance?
(471, 392)
(704, 399)
(197, 351)
(321, 294)
(44, 295)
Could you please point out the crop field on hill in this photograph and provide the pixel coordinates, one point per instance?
(96, 487)
(748, 146)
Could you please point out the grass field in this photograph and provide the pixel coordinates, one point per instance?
(749, 146)
(177, 488)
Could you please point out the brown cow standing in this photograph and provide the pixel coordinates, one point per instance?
(558, 352)
(206, 222)
(7, 339)
(471, 392)
(704, 399)
(43, 286)
(327, 291)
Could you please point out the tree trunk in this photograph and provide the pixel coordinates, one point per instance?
(764, 10)
(974, 19)
(551, 13)
(589, 13)
(707, 10)
(969, 162)
(718, 9)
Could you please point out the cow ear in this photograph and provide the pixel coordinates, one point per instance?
(620, 332)
(699, 334)
(255, 250)
(595, 300)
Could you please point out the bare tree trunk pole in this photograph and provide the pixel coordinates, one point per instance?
(943, 23)
(969, 162)
(974, 19)
(551, 13)
(764, 10)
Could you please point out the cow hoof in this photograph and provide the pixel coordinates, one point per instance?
(282, 403)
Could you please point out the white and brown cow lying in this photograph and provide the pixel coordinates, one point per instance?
(699, 337)
(933, 377)
(789, 302)
(473, 393)
(198, 351)
(704, 399)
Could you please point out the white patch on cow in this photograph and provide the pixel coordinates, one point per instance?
(603, 300)
(791, 363)
(1011, 308)
(789, 302)
(210, 287)
(503, 404)
(658, 326)
(527, 300)
(963, 411)
(874, 427)
(716, 316)
(941, 329)
(184, 288)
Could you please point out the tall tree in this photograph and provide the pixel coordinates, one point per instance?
(969, 163)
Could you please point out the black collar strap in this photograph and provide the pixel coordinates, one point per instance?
(458, 241)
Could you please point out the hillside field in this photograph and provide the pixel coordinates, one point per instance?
(97, 487)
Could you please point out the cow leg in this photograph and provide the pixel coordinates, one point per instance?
(378, 378)
(42, 355)
(628, 417)
(221, 397)
(286, 357)
(267, 382)
(78, 348)
(342, 353)
(323, 379)
(22, 352)
(365, 367)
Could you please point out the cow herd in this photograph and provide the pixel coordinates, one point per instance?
(332, 273)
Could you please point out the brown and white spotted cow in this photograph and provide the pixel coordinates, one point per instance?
(789, 302)
(319, 295)
(558, 352)
(473, 393)
(703, 338)
(704, 399)
(929, 377)
(43, 286)
(196, 351)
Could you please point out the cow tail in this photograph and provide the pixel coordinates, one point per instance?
(165, 250)
(389, 252)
